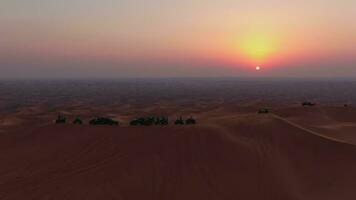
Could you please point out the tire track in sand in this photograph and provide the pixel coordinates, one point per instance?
(310, 131)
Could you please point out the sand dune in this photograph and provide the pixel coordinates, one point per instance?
(335, 122)
(244, 156)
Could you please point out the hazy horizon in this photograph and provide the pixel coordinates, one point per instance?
(125, 39)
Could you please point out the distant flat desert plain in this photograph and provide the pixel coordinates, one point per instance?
(233, 152)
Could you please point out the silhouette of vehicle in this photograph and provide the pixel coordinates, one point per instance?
(77, 121)
(346, 105)
(308, 103)
(148, 121)
(263, 111)
(103, 121)
(60, 119)
(138, 122)
(179, 121)
(142, 121)
(163, 121)
(190, 121)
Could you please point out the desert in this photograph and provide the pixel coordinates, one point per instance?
(177, 100)
(233, 152)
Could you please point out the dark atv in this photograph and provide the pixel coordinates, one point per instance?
(142, 121)
(190, 121)
(77, 121)
(308, 103)
(263, 111)
(103, 121)
(148, 121)
(179, 121)
(163, 121)
(60, 119)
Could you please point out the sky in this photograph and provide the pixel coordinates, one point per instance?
(171, 38)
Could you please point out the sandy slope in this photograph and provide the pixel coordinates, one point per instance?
(335, 122)
(244, 156)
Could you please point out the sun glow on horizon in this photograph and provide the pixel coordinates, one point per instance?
(177, 38)
(258, 48)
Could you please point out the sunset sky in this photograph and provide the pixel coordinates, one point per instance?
(171, 38)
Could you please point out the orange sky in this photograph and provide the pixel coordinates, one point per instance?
(169, 38)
